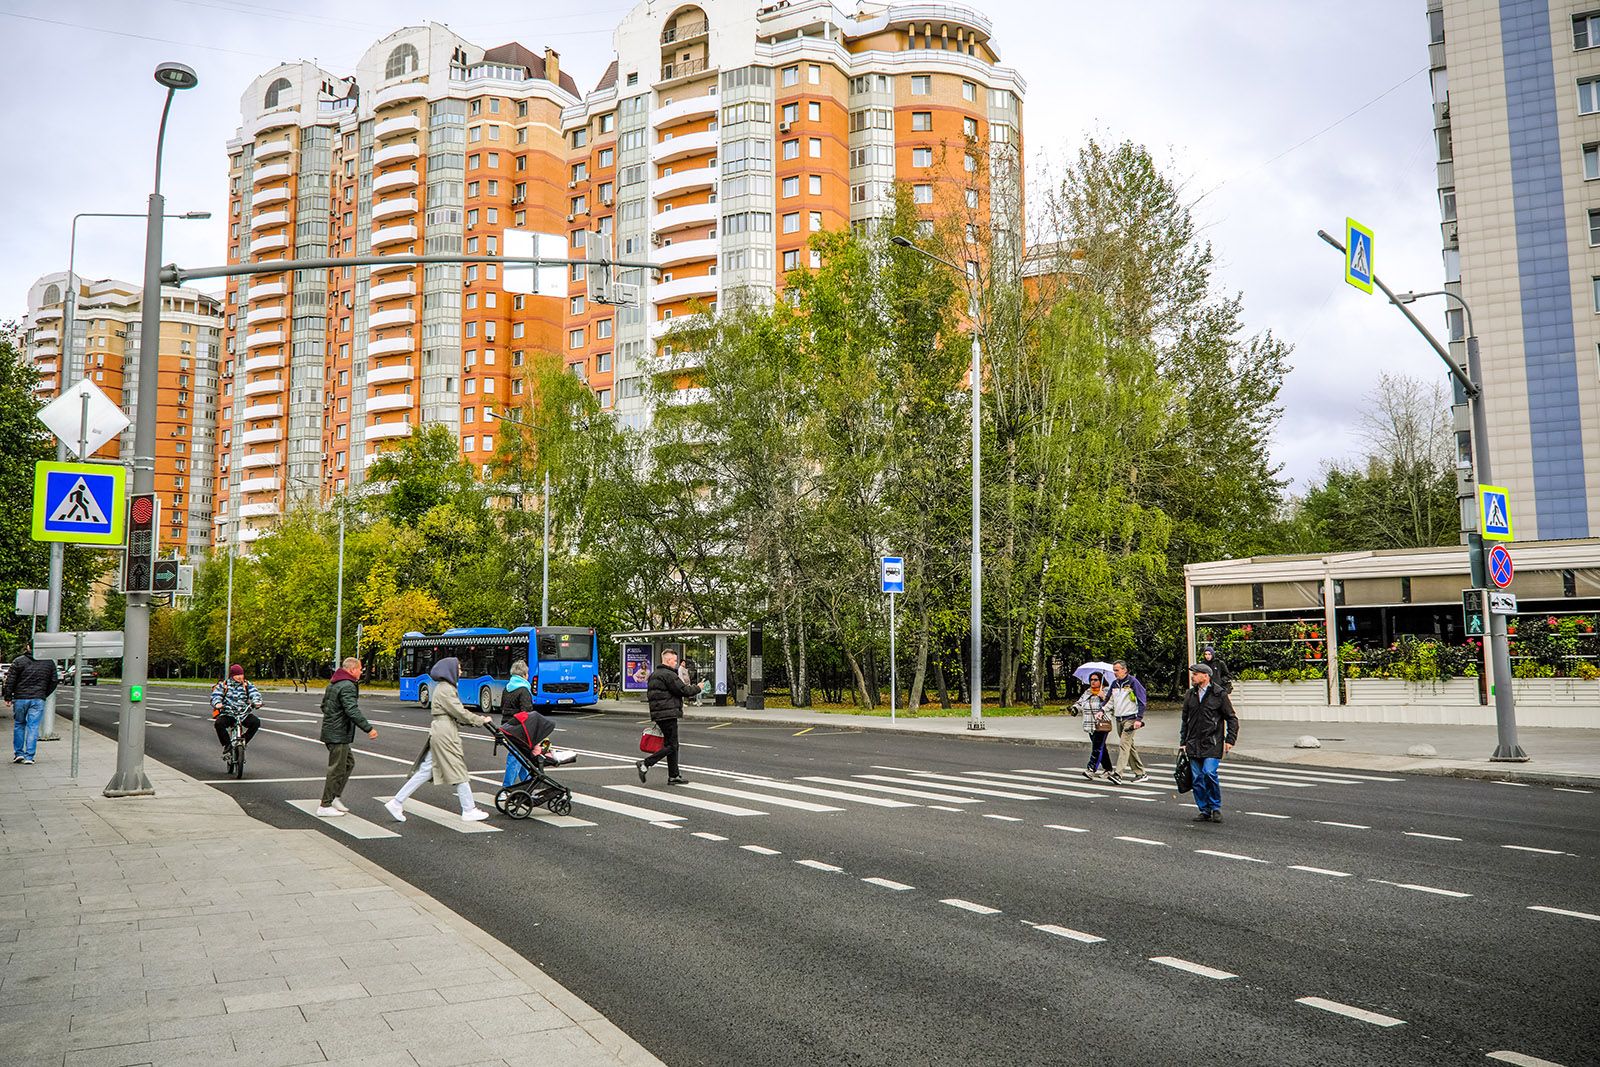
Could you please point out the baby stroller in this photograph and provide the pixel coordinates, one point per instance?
(531, 749)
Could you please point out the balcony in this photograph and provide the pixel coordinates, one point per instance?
(408, 150)
(687, 145)
(267, 291)
(677, 363)
(388, 346)
(683, 181)
(397, 126)
(259, 459)
(683, 289)
(287, 115)
(684, 32)
(385, 430)
(265, 435)
(386, 268)
(46, 366)
(391, 402)
(271, 172)
(263, 411)
(390, 290)
(277, 194)
(401, 316)
(258, 511)
(683, 397)
(698, 106)
(272, 242)
(269, 149)
(265, 385)
(399, 372)
(248, 534)
(679, 217)
(263, 337)
(385, 209)
(265, 219)
(684, 251)
(47, 313)
(660, 328)
(397, 179)
(264, 314)
(260, 363)
(390, 235)
(682, 69)
(393, 94)
(269, 484)
(47, 337)
(45, 385)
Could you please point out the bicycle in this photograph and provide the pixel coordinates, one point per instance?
(233, 755)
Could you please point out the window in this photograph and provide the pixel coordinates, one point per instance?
(1586, 30)
(972, 198)
(922, 157)
(575, 339)
(602, 329)
(1588, 96)
(1594, 229)
(1447, 205)
(816, 148)
(816, 259)
(608, 123)
(969, 127)
(580, 138)
(969, 91)
(402, 61)
(580, 171)
(1591, 162)
(814, 111)
(608, 156)
(791, 76)
(921, 85)
(791, 112)
(922, 120)
(276, 89)
(1595, 282)
(633, 78)
(602, 362)
(791, 186)
(791, 222)
(922, 194)
(791, 259)
(577, 305)
(814, 74)
(791, 149)
(815, 182)
(816, 220)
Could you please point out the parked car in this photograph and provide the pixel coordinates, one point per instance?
(90, 675)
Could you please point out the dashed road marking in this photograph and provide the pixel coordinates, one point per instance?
(1564, 911)
(1566, 789)
(967, 905)
(761, 850)
(944, 807)
(1142, 841)
(1421, 888)
(888, 883)
(1003, 818)
(1431, 837)
(1345, 825)
(1228, 855)
(1530, 848)
(1350, 1012)
(1068, 829)
(1193, 968)
(802, 733)
(1521, 1060)
(818, 865)
(1266, 815)
(1321, 870)
(1519, 785)
(702, 834)
(1069, 934)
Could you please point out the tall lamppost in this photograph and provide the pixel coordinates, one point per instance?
(338, 601)
(544, 582)
(130, 779)
(975, 683)
(71, 371)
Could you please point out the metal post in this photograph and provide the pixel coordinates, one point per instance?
(976, 686)
(544, 596)
(227, 627)
(338, 610)
(77, 696)
(894, 688)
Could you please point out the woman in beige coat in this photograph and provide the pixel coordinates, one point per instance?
(443, 760)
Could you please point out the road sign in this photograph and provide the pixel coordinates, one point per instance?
(1502, 603)
(33, 601)
(1358, 255)
(80, 503)
(894, 574)
(1500, 568)
(144, 517)
(1472, 610)
(97, 644)
(534, 281)
(65, 417)
(598, 276)
(1494, 513)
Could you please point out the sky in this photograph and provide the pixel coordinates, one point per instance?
(1277, 125)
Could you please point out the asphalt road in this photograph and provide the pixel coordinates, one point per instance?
(1004, 911)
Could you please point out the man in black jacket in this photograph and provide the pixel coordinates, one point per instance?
(1207, 732)
(29, 683)
(665, 692)
(341, 718)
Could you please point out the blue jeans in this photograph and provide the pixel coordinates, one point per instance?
(514, 771)
(29, 713)
(1207, 788)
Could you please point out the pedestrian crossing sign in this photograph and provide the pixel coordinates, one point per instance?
(1494, 513)
(1358, 255)
(79, 503)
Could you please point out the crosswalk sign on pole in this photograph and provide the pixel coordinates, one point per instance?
(1358, 255)
(1494, 513)
(78, 503)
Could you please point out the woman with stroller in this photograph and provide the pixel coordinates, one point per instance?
(443, 759)
(1095, 707)
(518, 701)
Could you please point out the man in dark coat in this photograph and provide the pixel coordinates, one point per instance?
(1220, 675)
(1207, 732)
(341, 718)
(665, 692)
(26, 687)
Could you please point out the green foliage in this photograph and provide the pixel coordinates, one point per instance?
(426, 470)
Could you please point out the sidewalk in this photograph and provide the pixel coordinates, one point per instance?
(1561, 757)
(176, 929)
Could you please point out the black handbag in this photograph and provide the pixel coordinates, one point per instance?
(1183, 774)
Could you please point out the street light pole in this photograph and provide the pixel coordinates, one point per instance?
(975, 681)
(544, 582)
(130, 779)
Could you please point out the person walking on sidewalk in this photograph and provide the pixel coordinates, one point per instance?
(29, 683)
(232, 699)
(443, 758)
(1207, 732)
(341, 717)
(1127, 706)
(1221, 677)
(1095, 707)
(665, 693)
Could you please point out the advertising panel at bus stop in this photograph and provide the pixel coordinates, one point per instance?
(637, 663)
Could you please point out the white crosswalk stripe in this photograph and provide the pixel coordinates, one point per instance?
(833, 794)
(1077, 780)
(617, 807)
(687, 801)
(952, 783)
(539, 815)
(744, 794)
(353, 825)
(947, 798)
(450, 820)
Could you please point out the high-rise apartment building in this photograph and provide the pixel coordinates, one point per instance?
(1516, 108)
(104, 347)
(721, 138)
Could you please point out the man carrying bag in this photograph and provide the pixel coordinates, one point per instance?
(1207, 733)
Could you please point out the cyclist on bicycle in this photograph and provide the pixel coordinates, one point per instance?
(233, 698)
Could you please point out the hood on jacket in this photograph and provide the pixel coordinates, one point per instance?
(446, 670)
(342, 675)
(518, 682)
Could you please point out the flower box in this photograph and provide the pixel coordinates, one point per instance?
(1568, 702)
(1260, 693)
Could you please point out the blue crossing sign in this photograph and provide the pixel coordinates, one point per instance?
(1494, 513)
(78, 503)
(1358, 255)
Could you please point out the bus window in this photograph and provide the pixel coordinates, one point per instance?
(555, 647)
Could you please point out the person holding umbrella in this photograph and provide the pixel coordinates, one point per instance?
(1095, 707)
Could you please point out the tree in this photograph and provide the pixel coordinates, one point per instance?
(391, 612)
(426, 470)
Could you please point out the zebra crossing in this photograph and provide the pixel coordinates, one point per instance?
(742, 796)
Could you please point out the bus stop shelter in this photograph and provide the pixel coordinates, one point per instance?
(641, 650)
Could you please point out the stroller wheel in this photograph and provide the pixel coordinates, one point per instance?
(500, 799)
(519, 804)
(560, 804)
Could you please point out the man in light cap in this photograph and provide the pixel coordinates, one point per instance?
(1207, 732)
(234, 698)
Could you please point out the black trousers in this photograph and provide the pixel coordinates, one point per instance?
(669, 748)
(251, 725)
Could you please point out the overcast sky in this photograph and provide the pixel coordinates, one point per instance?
(1238, 98)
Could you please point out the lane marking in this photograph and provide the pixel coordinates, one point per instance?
(1350, 1012)
(1069, 934)
(1346, 825)
(1003, 818)
(950, 783)
(1068, 829)
(818, 865)
(719, 726)
(1530, 848)
(689, 802)
(1431, 837)
(888, 883)
(1228, 855)
(1521, 1060)
(1037, 787)
(1142, 841)
(1266, 815)
(487, 800)
(1079, 788)
(1421, 888)
(782, 802)
(353, 825)
(708, 836)
(1078, 781)
(895, 790)
(1566, 789)
(835, 794)
(314, 778)
(440, 817)
(691, 744)
(802, 733)
(1564, 911)
(967, 905)
(616, 807)
(761, 850)
(1519, 785)
(1332, 774)
(1193, 968)
(1321, 870)
(945, 807)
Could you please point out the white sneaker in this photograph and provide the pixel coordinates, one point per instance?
(475, 815)
(340, 805)
(328, 813)
(392, 806)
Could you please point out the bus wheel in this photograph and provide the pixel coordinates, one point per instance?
(486, 700)
(422, 696)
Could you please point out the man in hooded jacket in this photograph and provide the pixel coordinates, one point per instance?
(341, 717)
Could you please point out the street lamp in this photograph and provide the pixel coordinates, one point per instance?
(70, 371)
(130, 779)
(544, 582)
(975, 683)
(338, 603)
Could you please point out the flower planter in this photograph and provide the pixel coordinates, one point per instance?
(1456, 692)
(1569, 702)
(1258, 693)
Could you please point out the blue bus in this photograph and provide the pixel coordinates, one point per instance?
(563, 664)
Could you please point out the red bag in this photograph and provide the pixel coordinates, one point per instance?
(651, 740)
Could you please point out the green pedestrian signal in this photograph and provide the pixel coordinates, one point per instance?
(1473, 612)
(135, 693)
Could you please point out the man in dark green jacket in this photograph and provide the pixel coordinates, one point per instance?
(341, 717)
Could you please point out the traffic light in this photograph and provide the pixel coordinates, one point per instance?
(1476, 622)
(164, 576)
(144, 517)
(1475, 559)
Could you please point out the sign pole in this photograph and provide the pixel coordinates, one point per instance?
(894, 688)
(77, 696)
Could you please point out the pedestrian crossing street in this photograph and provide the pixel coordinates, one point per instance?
(737, 795)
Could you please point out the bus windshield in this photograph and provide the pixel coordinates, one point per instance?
(559, 647)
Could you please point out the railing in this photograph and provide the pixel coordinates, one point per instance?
(327, 106)
(682, 68)
(687, 31)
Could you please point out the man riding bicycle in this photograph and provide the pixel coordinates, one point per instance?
(232, 699)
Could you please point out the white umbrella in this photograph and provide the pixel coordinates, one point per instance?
(1093, 667)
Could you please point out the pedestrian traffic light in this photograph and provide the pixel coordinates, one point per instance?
(144, 518)
(1474, 620)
